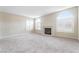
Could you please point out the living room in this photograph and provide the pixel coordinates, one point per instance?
(35, 29)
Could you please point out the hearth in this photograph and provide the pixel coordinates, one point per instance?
(47, 31)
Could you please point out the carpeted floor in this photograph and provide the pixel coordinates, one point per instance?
(34, 43)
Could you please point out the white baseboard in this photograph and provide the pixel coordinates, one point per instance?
(12, 35)
(58, 36)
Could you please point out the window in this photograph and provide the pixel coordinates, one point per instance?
(65, 22)
(29, 24)
(38, 24)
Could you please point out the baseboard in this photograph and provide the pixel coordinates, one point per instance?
(12, 35)
(9, 36)
(58, 36)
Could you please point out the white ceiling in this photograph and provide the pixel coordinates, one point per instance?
(33, 11)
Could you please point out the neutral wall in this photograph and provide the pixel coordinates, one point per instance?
(11, 24)
(78, 23)
(50, 21)
(1, 24)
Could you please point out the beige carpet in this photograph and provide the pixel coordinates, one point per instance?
(34, 43)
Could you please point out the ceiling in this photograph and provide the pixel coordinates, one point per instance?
(32, 11)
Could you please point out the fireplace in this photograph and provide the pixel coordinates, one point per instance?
(47, 31)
